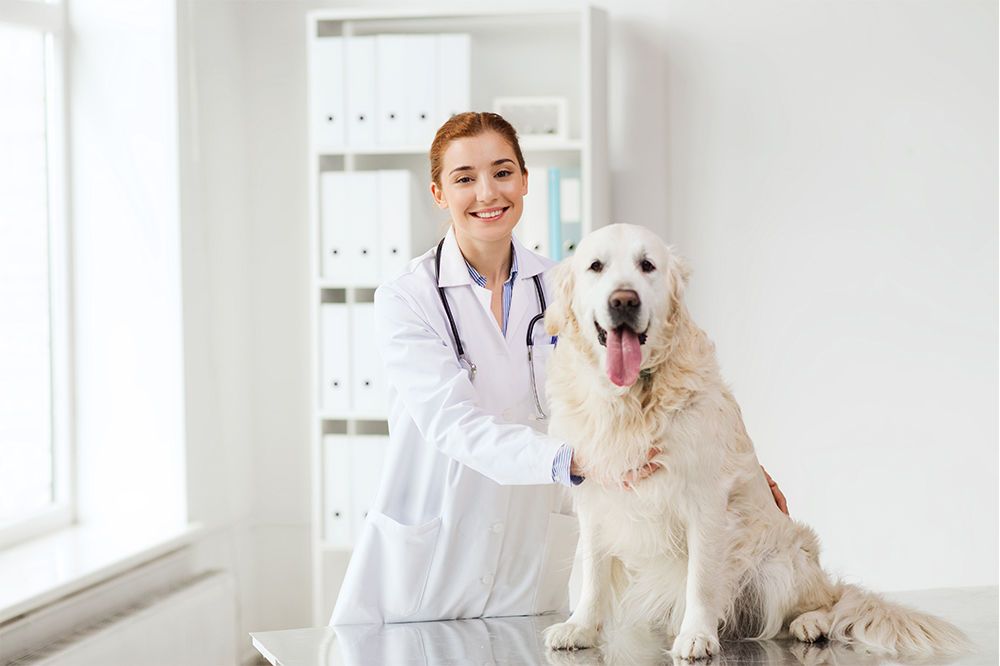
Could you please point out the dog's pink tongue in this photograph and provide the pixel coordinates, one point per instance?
(624, 356)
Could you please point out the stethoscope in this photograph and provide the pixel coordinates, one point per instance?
(469, 366)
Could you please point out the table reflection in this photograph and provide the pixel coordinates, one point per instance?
(518, 641)
(502, 640)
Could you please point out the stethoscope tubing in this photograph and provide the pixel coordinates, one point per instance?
(460, 349)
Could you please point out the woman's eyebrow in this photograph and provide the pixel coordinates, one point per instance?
(500, 161)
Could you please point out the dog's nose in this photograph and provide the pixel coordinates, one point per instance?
(623, 300)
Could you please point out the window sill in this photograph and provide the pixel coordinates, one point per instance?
(43, 570)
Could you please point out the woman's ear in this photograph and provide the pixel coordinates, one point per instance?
(560, 311)
(438, 195)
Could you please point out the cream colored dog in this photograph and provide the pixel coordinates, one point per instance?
(699, 545)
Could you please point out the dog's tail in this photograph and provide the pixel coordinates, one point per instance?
(862, 616)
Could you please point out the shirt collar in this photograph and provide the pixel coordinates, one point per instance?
(481, 281)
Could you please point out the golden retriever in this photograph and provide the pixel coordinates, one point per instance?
(698, 546)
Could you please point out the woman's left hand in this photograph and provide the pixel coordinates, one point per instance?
(779, 497)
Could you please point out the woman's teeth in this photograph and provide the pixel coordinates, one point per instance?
(490, 215)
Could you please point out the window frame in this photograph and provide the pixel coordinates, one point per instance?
(50, 19)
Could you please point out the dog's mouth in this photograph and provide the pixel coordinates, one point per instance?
(602, 335)
(624, 357)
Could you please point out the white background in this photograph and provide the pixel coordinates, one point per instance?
(828, 168)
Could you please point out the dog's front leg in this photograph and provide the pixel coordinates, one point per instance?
(583, 627)
(699, 633)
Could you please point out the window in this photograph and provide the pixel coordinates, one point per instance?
(34, 313)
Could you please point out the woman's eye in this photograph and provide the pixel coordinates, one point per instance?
(647, 266)
(597, 267)
(503, 174)
(464, 179)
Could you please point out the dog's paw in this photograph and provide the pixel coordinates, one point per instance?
(692, 645)
(811, 627)
(570, 636)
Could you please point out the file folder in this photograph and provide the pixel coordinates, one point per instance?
(391, 54)
(326, 84)
(395, 194)
(533, 227)
(368, 454)
(335, 393)
(362, 228)
(570, 210)
(454, 75)
(333, 194)
(360, 75)
(338, 509)
(421, 89)
(555, 215)
(368, 374)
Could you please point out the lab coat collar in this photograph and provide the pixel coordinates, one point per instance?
(455, 273)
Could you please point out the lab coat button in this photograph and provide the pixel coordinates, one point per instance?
(498, 528)
(508, 414)
(488, 579)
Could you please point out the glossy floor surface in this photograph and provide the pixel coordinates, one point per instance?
(517, 641)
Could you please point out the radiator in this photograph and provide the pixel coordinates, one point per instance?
(192, 623)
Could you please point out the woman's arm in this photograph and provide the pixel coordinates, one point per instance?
(440, 398)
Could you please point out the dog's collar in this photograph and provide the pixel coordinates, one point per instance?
(646, 373)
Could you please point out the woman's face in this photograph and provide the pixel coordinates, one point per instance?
(482, 187)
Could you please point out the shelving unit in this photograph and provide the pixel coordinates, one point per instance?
(528, 52)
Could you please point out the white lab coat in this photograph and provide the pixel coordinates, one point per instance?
(467, 521)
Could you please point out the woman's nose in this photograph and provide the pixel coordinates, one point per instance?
(486, 190)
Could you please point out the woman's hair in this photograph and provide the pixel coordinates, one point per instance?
(466, 125)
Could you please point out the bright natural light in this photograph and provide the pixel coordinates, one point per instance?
(26, 446)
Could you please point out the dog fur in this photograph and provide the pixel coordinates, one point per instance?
(699, 548)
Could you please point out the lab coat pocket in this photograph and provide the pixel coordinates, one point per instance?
(552, 592)
(406, 553)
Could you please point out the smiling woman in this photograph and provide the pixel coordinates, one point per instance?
(470, 519)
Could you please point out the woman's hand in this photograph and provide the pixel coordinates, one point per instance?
(779, 497)
(627, 481)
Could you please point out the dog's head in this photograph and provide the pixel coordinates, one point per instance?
(621, 289)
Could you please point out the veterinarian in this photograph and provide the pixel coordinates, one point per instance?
(471, 517)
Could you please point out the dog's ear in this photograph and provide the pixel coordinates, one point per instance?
(679, 274)
(560, 310)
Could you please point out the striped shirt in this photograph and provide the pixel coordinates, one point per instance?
(508, 286)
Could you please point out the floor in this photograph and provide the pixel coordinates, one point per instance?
(517, 641)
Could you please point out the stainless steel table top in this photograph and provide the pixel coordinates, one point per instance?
(517, 641)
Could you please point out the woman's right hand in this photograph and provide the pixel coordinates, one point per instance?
(626, 481)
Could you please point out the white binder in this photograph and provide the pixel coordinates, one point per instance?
(338, 494)
(454, 75)
(326, 85)
(390, 56)
(360, 75)
(362, 228)
(335, 326)
(368, 384)
(421, 89)
(368, 454)
(533, 227)
(333, 195)
(395, 188)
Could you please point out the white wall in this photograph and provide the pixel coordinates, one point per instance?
(832, 178)
(830, 170)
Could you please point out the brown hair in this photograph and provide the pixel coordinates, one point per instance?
(467, 125)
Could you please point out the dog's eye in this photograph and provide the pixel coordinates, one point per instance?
(647, 266)
(597, 267)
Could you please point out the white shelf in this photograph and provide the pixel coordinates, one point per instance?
(555, 50)
(528, 145)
